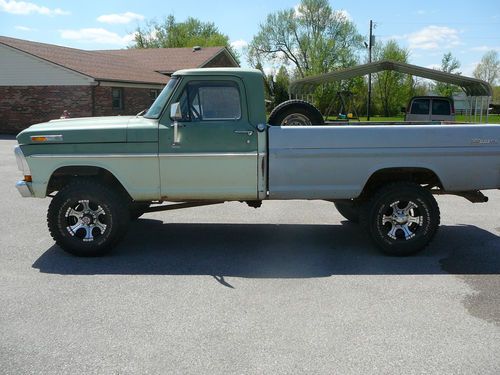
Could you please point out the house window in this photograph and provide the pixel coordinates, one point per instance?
(117, 97)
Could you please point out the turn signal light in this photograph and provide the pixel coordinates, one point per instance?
(40, 138)
(27, 178)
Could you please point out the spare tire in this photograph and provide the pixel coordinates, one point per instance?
(295, 112)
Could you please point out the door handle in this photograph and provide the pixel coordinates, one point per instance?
(247, 132)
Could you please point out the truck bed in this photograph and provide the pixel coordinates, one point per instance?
(335, 162)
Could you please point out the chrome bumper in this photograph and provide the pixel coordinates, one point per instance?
(24, 188)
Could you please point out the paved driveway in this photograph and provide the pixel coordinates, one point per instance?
(288, 288)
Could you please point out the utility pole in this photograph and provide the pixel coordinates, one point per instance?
(370, 45)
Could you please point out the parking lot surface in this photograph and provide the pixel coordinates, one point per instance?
(288, 288)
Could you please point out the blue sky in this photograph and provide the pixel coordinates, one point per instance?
(429, 29)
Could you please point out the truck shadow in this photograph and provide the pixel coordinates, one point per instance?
(276, 251)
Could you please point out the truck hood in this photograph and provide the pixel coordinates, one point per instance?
(82, 130)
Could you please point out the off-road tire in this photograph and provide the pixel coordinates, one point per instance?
(87, 218)
(303, 112)
(385, 220)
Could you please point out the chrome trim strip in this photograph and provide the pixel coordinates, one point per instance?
(184, 154)
(205, 154)
(78, 156)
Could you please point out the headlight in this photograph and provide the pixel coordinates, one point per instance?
(22, 164)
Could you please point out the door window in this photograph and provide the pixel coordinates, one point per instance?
(211, 101)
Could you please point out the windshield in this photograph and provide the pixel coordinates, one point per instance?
(155, 110)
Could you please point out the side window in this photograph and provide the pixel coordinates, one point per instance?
(210, 101)
(420, 107)
(440, 107)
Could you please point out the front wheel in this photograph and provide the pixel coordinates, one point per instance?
(87, 218)
(402, 218)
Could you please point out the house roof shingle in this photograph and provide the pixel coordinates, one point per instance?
(129, 65)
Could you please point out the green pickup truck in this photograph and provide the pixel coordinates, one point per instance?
(205, 140)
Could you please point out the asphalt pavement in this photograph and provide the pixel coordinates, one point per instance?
(290, 288)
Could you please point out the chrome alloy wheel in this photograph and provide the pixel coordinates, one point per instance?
(296, 119)
(86, 220)
(402, 220)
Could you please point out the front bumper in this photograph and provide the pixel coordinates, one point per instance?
(24, 188)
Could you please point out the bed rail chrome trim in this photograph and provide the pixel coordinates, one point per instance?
(204, 154)
(76, 156)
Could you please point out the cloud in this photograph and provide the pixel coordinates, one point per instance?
(340, 14)
(122, 18)
(434, 66)
(485, 49)
(269, 70)
(421, 12)
(97, 35)
(25, 8)
(343, 15)
(24, 28)
(468, 69)
(431, 38)
(239, 44)
(297, 12)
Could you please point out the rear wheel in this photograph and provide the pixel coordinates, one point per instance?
(295, 112)
(402, 218)
(87, 218)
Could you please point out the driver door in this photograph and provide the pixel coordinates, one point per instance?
(210, 152)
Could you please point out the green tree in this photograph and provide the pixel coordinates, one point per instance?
(496, 95)
(312, 38)
(391, 89)
(172, 34)
(280, 87)
(489, 68)
(449, 64)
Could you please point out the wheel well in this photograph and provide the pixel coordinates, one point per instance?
(421, 176)
(62, 176)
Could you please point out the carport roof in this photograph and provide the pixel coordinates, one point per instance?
(471, 86)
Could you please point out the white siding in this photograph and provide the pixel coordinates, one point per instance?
(21, 69)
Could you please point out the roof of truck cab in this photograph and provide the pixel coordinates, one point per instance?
(431, 97)
(218, 72)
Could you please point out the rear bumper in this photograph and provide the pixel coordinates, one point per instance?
(24, 188)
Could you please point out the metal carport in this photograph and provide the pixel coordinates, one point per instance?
(477, 91)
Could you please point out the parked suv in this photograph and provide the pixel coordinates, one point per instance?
(430, 108)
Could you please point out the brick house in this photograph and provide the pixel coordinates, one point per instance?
(39, 81)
